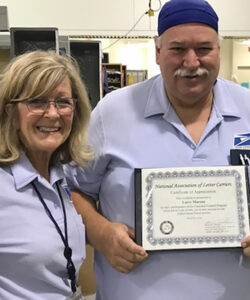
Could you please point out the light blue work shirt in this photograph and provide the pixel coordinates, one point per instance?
(32, 264)
(136, 127)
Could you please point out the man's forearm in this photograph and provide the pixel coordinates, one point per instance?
(92, 219)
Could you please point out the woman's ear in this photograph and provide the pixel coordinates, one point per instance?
(10, 111)
(8, 108)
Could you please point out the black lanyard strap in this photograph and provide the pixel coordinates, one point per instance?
(67, 250)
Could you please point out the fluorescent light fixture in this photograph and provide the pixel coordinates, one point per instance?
(246, 42)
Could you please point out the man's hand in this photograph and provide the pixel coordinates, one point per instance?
(246, 246)
(113, 240)
(120, 250)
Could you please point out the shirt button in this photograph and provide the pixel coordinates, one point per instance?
(192, 146)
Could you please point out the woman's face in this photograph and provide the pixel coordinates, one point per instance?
(42, 134)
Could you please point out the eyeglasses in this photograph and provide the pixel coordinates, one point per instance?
(64, 106)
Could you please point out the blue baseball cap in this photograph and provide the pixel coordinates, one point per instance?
(175, 12)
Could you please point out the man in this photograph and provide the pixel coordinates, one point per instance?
(184, 117)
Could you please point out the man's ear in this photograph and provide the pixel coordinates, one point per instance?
(157, 49)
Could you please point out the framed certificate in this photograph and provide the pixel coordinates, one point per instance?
(188, 208)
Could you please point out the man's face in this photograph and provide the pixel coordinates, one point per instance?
(189, 61)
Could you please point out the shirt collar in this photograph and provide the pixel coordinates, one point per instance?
(224, 101)
(158, 103)
(24, 173)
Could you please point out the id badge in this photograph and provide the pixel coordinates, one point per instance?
(77, 295)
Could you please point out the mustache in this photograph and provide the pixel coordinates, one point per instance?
(182, 72)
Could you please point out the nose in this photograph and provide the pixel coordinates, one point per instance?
(51, 110)
(191, 60)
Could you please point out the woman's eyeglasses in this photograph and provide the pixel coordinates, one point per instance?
(64, 106)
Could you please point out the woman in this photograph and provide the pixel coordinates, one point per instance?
(44, 113)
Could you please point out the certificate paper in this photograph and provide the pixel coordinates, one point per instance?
(188, 208)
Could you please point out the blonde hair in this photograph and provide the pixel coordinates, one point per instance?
(37, 74)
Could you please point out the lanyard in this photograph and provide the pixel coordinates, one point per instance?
(67, 250)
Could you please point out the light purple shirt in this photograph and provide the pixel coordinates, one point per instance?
(136, 127)
(32, 264)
